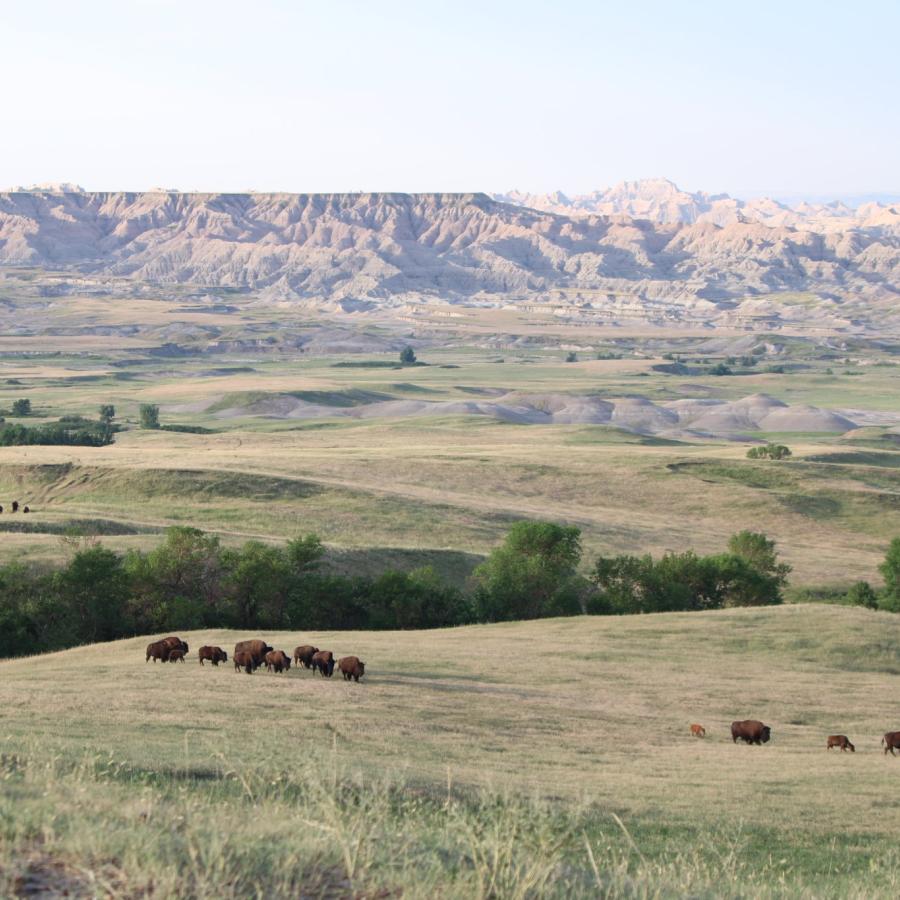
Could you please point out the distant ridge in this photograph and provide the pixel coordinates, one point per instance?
(661, 200)
(390, 248)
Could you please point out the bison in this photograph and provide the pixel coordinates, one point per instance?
(323, 662)
(15, 506)
(840, 740)
(891, 742)
(256, 648)
(176, 656)
(158, 650)
(751, 731)
(698, 731)
(277, 661)
(214, 654)
(352, 667)
(25, 509)
(243, 659)
(175, 643)
(304, 654)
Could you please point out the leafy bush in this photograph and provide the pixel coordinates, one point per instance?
(769, 451)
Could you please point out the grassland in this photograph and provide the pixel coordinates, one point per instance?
(472, 762)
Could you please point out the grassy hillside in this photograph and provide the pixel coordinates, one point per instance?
(545, 758)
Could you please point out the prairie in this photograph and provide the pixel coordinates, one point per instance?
(545, 758)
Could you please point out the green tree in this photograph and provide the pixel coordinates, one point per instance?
(533, 574)
(759, 551)
(178, 584)
(149, 413)
(21, 407)
(416, 599)
(107, 413)
(93, 593)
(861, 594)
(571, 356)
(890, 571)
(258, 585)
(407, 356)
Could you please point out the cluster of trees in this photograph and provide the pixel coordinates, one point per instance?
(191, 581)
(67, 431)
(769, 451)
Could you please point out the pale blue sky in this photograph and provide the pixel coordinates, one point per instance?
(781, 97)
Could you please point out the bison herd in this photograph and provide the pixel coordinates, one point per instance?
(752, 731)
(15, 507)
(250, 655)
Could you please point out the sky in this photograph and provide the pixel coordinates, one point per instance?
(788, 98)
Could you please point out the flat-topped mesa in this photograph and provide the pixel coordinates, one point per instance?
(451, 245)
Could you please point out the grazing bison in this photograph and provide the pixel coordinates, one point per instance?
(243, 659)
(175, 643)
(698, 731)
(158, 650)
(840, 740)
(15, 506)
(304, 654)
(352, 667)
(891, 742)
(214, 654)
(256, 648)
(1, 509)
(25, 509)
(751, 731)
(323, 662)
(176, 656)
(277, 661)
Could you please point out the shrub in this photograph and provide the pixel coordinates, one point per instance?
(769, 451)
(21, 407)
(407, 356)
(861, 594)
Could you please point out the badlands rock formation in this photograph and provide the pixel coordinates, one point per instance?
(660, 200)
(356, 249)
(677, 418)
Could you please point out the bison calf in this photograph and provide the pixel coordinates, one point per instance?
(840, 740)
(751, 731)
(243, 659)
(176, 656)
(214, 654)
(698, 731)
(277, 661)
(352, 667)
(891, 742)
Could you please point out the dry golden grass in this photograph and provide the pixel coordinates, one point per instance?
(591, 714)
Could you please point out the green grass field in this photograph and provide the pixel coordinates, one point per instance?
(546, 758)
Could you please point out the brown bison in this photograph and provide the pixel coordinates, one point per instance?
(158, 650)
(323, 662)
(751, 731)
(698, 731)
(256, 648)
(277, 661)
(352, 667)
(891, 742)
(25, 509)
(15, 506)
(840, 740)
(243, 659)
(175, 643)
(214, 654)
(176, 656)
(304, 654)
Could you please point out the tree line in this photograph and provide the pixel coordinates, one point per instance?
(192, 581)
